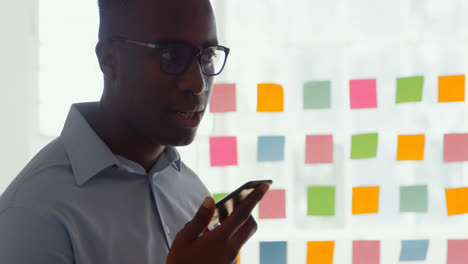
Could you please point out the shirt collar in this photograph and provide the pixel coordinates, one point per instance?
(88, 154)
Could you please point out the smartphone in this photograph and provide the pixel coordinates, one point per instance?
(225, 206)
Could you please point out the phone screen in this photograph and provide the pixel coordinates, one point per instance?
(225, 206)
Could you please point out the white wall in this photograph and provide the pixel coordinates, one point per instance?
(18, 85)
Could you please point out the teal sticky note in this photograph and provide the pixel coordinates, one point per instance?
(273, 252)
(317, 95)
(409, 89)
(321, 201)
(414, 250)
(413, 198)
(364, 146)
(270, 148)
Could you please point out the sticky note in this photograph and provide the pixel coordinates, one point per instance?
(457, 251)
(273, 252)
(273, 205)
(413, 250)
(317, 95)
(452, 88)
(413, 198)
(223, 98)
(366, 200)
(270, 148)
(411, 147)
(321, 200)
(223, 151)
(455, 147)
(320, 252)
(270, 98)
(219, 196)
(409, 89)
(363, 93)
(457, 200)
(366, 252)
(319, 149)
(364, 146)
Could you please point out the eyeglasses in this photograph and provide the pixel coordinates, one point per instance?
(175, 57)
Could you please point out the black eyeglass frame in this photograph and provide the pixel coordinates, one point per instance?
(195, 51)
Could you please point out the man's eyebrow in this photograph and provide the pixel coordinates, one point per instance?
(211, 42)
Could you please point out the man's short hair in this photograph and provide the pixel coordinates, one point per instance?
(106, 8)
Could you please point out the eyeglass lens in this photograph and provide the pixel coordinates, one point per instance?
(175, 58)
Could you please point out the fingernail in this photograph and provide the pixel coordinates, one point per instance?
(207, 202)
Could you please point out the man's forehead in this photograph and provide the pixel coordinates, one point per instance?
(187, 19)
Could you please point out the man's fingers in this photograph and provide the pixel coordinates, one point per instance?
(244, 233)
(201, 220)
(242, 212)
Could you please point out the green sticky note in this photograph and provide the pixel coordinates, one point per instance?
(317, 95)
(413, 198)
(219, 196)
(321, 200)
(409, 89)
(364, 146)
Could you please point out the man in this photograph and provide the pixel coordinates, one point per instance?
(112, 187)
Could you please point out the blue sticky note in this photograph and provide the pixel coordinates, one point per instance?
(273, 252)
(270, 148)
(412, 250)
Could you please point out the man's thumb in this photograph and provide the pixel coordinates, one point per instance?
(201, 220)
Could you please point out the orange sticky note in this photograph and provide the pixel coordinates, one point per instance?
(366, 200)
(411, 147)
(320, 252)
(452, 88)
(270, 98)
(457, 200)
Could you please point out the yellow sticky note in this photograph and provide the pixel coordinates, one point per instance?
(270, 98)
(366, 200)
(452, 88)
(457, 200)
(411, 147)
(320, 252)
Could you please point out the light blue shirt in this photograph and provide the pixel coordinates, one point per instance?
(77, 202)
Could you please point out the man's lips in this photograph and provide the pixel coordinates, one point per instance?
(189, 118)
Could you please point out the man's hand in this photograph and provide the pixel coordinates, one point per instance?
(222, 244)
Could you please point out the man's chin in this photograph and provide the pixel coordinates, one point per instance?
(180, 140)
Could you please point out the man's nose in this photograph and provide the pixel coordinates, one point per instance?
(193, 80)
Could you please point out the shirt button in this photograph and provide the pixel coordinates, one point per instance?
(168, 231)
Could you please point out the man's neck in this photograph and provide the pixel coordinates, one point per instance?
(122, 140)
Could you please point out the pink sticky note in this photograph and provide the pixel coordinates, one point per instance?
(273, 205)
(223, 98)
(366, 252)
(363, 93)
(457, 251)
(223, 151)
(319, 149)
(455, 147)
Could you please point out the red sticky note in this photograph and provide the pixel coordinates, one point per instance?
(223, 151)
(363, 93)
(319, 149)
(366, 252)
(223, 98)
(273, 205)
(457, 251)
(455, 147)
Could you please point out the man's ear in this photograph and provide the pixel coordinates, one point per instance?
(107, 59)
